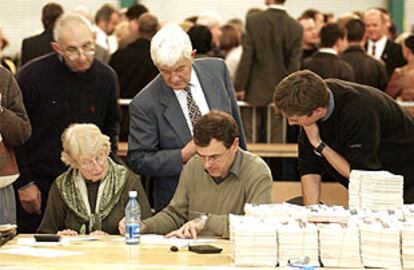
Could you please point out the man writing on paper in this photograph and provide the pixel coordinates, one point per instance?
(346, 126)
(217, 181)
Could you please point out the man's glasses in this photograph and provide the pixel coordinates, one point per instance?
(74, 53)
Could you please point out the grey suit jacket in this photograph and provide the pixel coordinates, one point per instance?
(158, 129)
(272, 49)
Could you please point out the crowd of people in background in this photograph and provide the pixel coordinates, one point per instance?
(111, 54)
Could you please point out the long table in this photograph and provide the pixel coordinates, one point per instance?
(111, 253)
(271, 150)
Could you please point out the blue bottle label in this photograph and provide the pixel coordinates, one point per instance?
(132, 233)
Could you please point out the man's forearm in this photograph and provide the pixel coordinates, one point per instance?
(311, 188)
(338, 162)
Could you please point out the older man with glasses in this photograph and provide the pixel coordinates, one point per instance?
(58, 89)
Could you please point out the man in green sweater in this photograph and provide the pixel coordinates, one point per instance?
(218, 181)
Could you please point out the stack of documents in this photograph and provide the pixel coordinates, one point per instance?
(339, 245)
(253, 242)
(407, 244)
(376, 190)
(322, 213)
(297, 239)
(282, 210)
(380, 243)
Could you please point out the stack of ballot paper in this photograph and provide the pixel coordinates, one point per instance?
(253, 242)
(376, 190)
(296, 239)
(275, 210)
(380, 243)
(339, 245)
(408, 212)
(407, 244)
(322, 213)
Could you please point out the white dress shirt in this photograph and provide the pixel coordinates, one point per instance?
(198, 96)
(379, 47)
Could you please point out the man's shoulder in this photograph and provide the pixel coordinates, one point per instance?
(151, 92)
(209, 62)
(40, 65)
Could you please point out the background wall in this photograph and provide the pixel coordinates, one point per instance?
(21, 18)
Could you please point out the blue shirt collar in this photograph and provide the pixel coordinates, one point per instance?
(331, 106)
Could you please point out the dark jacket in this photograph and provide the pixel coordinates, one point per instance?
(368, 70)
(36, 46)
(328, 65)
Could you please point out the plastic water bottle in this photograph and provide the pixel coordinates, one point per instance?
(132, 220)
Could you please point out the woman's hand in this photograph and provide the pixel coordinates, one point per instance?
(98, 233)
(67, 232)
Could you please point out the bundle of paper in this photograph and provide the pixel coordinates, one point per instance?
(408, 212)
(377, 190)
(407, 244)
(275, 210)
(296, 239)
(339, 245)
(380, 243)
(253, 241)
(323, 213)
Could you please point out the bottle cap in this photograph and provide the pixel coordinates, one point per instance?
(132, 193)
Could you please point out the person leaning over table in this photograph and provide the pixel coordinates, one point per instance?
(216, 182)
(345, 126)
(91, 195)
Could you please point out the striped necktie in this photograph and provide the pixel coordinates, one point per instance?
(193, 110)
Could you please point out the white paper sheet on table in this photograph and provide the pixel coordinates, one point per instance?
(30, 241)
(38, 252)
(156, 239)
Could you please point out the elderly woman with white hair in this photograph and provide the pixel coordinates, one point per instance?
(91, 195)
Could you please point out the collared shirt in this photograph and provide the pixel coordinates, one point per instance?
(234, 169)
(328, 50)
(379, 47)
(198, 96)
(331, 106)
(105, 41)
(281, 7)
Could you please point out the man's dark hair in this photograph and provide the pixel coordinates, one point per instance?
(330, 33)
(301, 93)
(355, 30)
(310, 13)
(50, 13)
(135, 11)
(148, 25)
(201, 38)
(215, 125)
(105, 13)
(409, 43)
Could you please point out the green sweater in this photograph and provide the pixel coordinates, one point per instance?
(59, 217)
(249, 181)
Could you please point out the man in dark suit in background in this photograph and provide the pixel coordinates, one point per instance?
(134, 66)
(272, 49)
(326, 62)
(378, 45)
(39, 45)
(368, 70)
(163, 114)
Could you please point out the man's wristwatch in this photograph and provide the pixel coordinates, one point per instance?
(204, 217)
(318, 150)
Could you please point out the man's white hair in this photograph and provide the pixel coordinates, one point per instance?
(169, 45)
(70, 19)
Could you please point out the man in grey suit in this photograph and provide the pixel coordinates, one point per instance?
(272, 49)
(162, 115)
